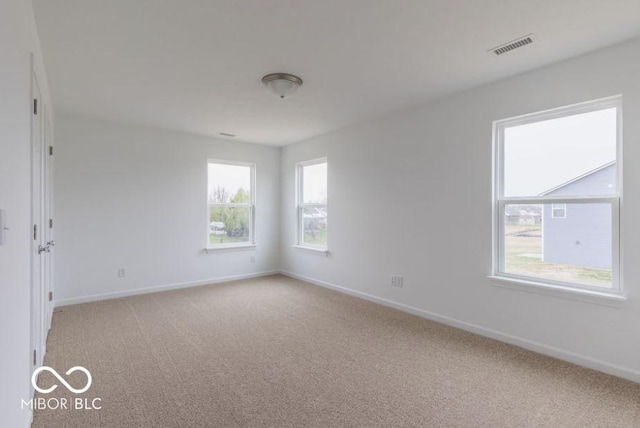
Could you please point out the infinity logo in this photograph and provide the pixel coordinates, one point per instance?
(35, 374)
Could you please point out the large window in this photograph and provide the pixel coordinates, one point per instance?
(312, 204)
(557, 196)
(231, 204)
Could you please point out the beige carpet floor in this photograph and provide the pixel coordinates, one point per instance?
(276, 352)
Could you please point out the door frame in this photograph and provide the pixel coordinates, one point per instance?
(48, 227)
(37, 216)
(41, 207)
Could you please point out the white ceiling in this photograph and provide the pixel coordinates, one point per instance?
(195, 65)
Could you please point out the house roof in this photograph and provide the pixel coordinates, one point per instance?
(578, 178)
(520, 211)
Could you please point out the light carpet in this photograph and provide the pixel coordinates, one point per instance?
(277, 352)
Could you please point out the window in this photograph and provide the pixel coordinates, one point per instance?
(548, 165)
(312, 204)
(558, 210)
(231, 204)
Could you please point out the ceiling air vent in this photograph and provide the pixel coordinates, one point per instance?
(514, 44)
(225, 134)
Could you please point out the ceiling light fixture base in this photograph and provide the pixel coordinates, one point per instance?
(282, 84)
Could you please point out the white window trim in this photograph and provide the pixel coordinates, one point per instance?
(251, 244)
(300, 206)
(555, 207)
(230, 247)
(312, 250)
(500, 201)
(599, 297)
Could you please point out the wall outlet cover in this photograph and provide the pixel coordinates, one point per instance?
(397, 281)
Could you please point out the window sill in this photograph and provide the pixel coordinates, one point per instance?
(221, 248)
(318, 251)
(607, 298)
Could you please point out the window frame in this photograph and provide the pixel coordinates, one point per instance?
(251, 205)
(300, 206)
(555, 207)
(499, 201)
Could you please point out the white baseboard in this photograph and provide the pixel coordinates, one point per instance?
(602, 366)
(158, 288)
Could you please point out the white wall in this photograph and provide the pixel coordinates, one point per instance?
(135, 197)
(18, 40)
(410, 194)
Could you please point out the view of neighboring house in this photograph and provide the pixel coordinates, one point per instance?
(217, 227)
(317, 215)
(523, 214)
(580, 234)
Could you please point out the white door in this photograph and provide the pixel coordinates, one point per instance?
(37, 216)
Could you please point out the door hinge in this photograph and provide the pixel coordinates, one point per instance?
(50, 296)
(50, 223)
(50, 150)
(34, 357)
(35, 232)
(35, 106)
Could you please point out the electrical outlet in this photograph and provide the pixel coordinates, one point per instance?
(122, 272)
(397, 281)
(253, 259)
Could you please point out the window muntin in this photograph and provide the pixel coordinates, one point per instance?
(312, 204)
(550, 164)
(230, 204)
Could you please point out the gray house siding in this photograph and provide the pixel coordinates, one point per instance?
(583, 237)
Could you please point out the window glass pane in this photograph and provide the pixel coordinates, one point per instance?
(314, 183)
(568, 156)
(314, 225)
(229, 183)
(576, 249)
(558, 211)
(228, 225)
